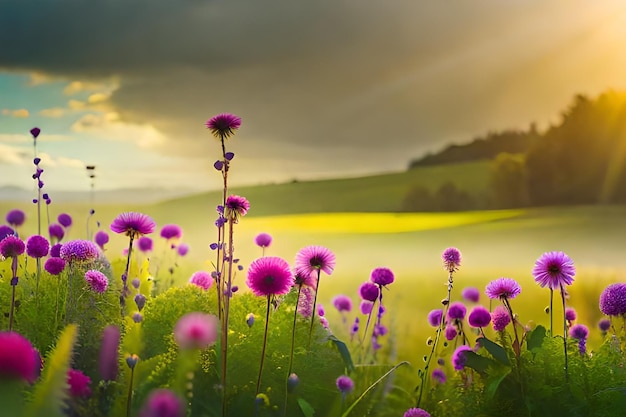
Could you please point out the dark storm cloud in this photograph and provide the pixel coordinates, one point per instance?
(378, 81)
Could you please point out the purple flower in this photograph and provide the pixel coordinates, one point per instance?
(182, 249)
(163, 403)
(79, 251)
(439, 376)
(137, 317)
(458, 357)
(612, 299)
(479, 317)
(457, 311)
(101, 238)
(133, 224)
(302, 278)
(342, 303)
(140, 301)
(196, 330)
(471, 294)
(12, 247)
(97, 281)
(366, 307)
(434, 317)
(144, 243)
(201, 279)
(269, 276)
(223, 125)
(604, 325)
(315, 258)
(369, 291)
(500, 318)
(579, 331)
(292, 382)
(451, 259)
(416, 412)
(37, 246)
(344, 384)
(55, 250)
(65, 220)
(16, 217)
(305, 302)
(554, 269)
(236, 207)
(54, 266)
(382, 276)
(35, 131)
(171, 231)
(17, 357)
(320, 310)
(78, 383)
(570, 314)
(108, 359)
(263, 240)
(56, 231)
(503, 288)
(450, 332)
(5, 231)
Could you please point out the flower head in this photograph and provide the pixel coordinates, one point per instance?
(35, 131)
(16, 217)
(12, 247)
(54, 266)
(65, 220)
(579, 331)
(312, 259)
(369, 291)
(171, 231)
(366, 307)
(457, 311)
(471, 294)
(79, 383)
(263, 240)
(236, 207)
(201, 279)
(479, 317)
(450, 332)
(196, 330)
(55, 250)
(182, 249)
(382, 276)
(269, 276)
(458, 357)
(56, 231)
(503, 288)
(342, 303)
(5, 231)
(79, 251)
(223, 125)
(133, 224)
(305, 302)
(434, 317)
(17, 357)
(163, 403)
(604, 325)
(613, 299)
(101, 238)
(500, 318)
(344, 384)
(451, 259)
(37, 246)
(416, 412)
(144, 243)
(108, 359)
(439, 375)
(97, 281)
(292, 382)
(554, 269)
(570, 314)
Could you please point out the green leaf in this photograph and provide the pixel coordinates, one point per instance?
(535, 339)
(344, 352)
(497, 376)
(477, 362)
(494, 349)
(307, 409)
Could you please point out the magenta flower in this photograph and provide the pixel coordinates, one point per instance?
(604, 325)
(369, 291)
(554, 269)
(223, 125)
(78, 383)
(144, 243)
(12, 247)
(54, 266)
(201, 279)
(79, 251)
(37, 246)
(345, 384)
(457, 311)
(305, 302)
(97, 281)
(5, 231)
(416, 412)
(101, 238)
(108, 359)
(500, 318)
(55, 250)
(163, 403)
(451, 259)
(366, 307)
(471, 294)
(304, 279)
(133, 224)
(382, 276)
(263, 240)
(56, 231)
(439, 375)
(570, 314)
(171, 231)
(342, 303)
(479, 317)
(503, 288)
(65, 220)
(612, 299)
(182, 249)
(196, 331)
(17, 357)
(580, 332)
(269, 276)
(315, 258)
(434, 317)
(16, 217)
(236, 207)
(450, 332)
(458, 357)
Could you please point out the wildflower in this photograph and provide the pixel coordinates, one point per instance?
(570, 314)
(12, 247)
(201, 279)
(136, 283)
(320, 310)
(314, 259)
(366, 307)
(305, 302)
(17, 357)
(145, 244)
(182, 249)
(133, 224)
(324, 322)
(107, 363)
(292, 382)
(65, 220)
(458, 357)
(304, 279)
(503, 288)
(451, 259)
(369, 291)
(479, 317)
(97, 281)
(5, 231)
(345, 384)
(16, 218)
(37, 246)
(382, 276)
(612, 299)
(55, 250)
(223, 126)
(35, 131)
(269, 276)
(500, 318)
(56, 232)
(54, 266)
(604, 325)
(140, 301)
(236, 207)
(79, 251)
(580, 332)
(554, 269)
(196, 331)
(471, 294)
(137, 317)
(450, 332)
(78, 383)
(250, 319)
(263, 240)
(434, 317)
(439, 375)
(101, 238)
(416, 412)
(163, 403)
(171, 231)
(456, 311)
(131, 360)
(342, 303)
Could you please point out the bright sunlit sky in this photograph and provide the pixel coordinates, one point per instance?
(325, 88)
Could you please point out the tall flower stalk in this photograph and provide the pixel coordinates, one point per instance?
(12, 247)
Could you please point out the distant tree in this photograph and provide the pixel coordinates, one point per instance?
(418, 198)
(449, 198)
(508, 181)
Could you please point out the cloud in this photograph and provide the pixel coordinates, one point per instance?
(18, 113)
(109, 126)
(54, 112)
(76, 87)
(12, 155)
(54, 162)
(28, 140)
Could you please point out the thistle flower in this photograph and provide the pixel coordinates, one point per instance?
(17, 357)
(269, 276)
(382, 276)
(604, 325)
(64, 220)
(56, 232)
(312, 259)
(612, 299)
(263, 240)
(345, 385)
(503, 288)
(570, 314)
(163, 403)
(369, 291)
(79, 251)
(97, 281)
(78, 383)
(580, 332)
(451, 259)
(439, 375)
(35, 131)
(366, 307)
(342, 303)
(133, 224)
(12, 247)
(457, 311)
(5, 231)
(55, 250)
(450, 333)
(16, 218)
(500, 318)
(434, 317)
(101, 238)
(305, 302)
(458, 357)
(471, 294)
(236, 207)
(108, 359)
(54, 266)
(196, 331)
(37, 246)
(171, 231)
(554, 269)
(201, 279)
(479, 317)
(223, 126)
(182, 249)
(416, 412)
(145, 244)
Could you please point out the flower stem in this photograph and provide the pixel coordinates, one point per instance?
(564, 334)
(293, 342)
(317, 288)
(129, 396)
(267, 320)
(13, 285)
(551, 302)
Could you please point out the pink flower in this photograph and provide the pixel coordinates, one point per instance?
(97, 281)
(79, 383)
(163, 403)
(201, 279)
(269, 276)
(133, 224)
(17, 357)
(315, 258)
(196, 331)
(223, 125)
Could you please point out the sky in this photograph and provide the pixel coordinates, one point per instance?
(324, 88)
